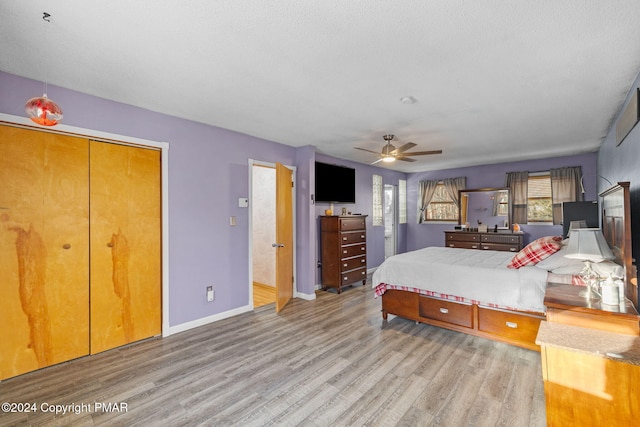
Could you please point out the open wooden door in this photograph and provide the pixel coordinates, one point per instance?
(284, 236)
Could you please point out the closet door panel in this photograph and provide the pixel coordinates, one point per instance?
(125, 245)
(44, 258)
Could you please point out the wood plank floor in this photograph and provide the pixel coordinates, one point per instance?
(327, 362)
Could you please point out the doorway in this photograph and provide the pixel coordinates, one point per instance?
(390, 221)
(271, 262)
(263, 233)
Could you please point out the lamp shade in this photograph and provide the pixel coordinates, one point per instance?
(588, 244)
(43, 111)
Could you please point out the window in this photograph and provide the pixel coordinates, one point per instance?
(539, 204)
(441, 207)
(402, 201)
(377, 200)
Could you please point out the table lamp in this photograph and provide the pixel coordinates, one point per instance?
(588, 245)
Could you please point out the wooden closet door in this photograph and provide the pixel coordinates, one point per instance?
(125, 244)
(44, 257)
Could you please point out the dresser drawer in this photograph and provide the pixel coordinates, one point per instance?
(354, 276)
(353, 250)
(353, 263)
(463, 245)
(446, 311)
(507, 239)
(349, 224)
(357, 237)
(499, 247)
(508, 324)
(462, 237)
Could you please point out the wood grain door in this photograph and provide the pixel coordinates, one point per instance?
(125, 244)
(44, 257)
(284, 236)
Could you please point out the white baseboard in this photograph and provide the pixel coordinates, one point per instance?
(306, 297)
(205, 320)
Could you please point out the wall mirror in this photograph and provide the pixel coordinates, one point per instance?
(485, 206)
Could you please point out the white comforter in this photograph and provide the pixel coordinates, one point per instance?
(477, 275)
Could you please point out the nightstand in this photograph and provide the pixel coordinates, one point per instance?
(564, 305)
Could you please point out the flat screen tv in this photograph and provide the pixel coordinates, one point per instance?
(335, 184)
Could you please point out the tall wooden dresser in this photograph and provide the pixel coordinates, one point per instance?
(344, 250)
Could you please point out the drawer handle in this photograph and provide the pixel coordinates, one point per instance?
(344, 238)
(344, 265)
(363, 260)
(362, 248)
(451, 245)
(362, 236)
(512, 325)
(444, 310)
(474, 246)
(512, 249)
(346, 278)
(344, 252)
(363, 273)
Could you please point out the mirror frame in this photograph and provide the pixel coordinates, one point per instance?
(484, 190)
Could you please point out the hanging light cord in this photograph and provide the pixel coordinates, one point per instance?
(46, 17)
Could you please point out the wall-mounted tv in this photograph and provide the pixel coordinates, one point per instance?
(335, 184)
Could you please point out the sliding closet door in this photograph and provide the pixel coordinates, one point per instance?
(44, 257)
(125, 244)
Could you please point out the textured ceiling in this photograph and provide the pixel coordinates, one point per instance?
(494, 80)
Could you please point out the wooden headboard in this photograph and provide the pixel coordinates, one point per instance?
(616, 227)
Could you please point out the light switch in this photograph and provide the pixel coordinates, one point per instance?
(232, 221)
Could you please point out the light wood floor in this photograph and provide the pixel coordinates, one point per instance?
(263, 294)
(328, 362)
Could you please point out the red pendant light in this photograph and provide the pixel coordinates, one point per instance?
(42, 110)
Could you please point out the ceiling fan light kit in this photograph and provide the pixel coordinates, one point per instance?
(390, 153)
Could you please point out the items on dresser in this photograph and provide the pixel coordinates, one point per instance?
(344, 250)
(495, 241)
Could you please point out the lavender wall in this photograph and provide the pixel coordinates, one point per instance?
(208, 172)
(622, 163)
(364, 205)
(423, 235)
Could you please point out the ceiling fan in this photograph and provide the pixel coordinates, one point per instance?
(390, 153)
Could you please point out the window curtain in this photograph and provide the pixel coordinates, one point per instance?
(453, 185)
(425, 193)
(518, 183)
(565, 187)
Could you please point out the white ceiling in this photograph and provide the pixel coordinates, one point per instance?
(494, 80)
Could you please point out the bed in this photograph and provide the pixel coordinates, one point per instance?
(473, 291)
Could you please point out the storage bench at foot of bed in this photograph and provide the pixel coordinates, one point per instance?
(516, 328)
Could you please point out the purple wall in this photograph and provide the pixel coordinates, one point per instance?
(208, 172)
(364, 205)
(618, 163)
(423, 235)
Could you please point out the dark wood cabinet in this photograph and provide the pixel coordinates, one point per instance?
(344, 250)
(495, 241)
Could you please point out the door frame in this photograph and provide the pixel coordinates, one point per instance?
(293, 169)
(394, 228)
(23, 122)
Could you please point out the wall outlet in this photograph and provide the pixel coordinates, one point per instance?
(210, 294)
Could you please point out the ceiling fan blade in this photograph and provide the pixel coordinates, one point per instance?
(368, 151)
(405, 147)
(379, 160)
(422, 153)
(405, 159)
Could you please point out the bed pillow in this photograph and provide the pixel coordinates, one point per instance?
(536, 251)
(558, 261)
